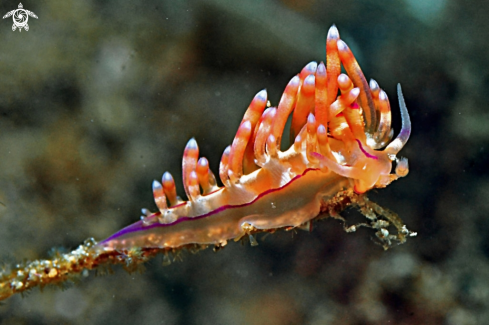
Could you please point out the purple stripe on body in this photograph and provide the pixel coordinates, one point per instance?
(364, 152)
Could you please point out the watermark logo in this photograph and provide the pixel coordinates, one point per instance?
(20, 17)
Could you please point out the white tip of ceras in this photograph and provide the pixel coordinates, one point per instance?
(311, 119)
(355, 92)
(156, 186)
(167, 177)
(311, 66)
(191, 144)
(333, 32)
(145, 213)
(227, 151)
(203, 162)
(321, 70)
(342, 47)
(262, 95)
(343, 78)
(321, 130)
(310, 80)
(374, 86)
(344, 82)
(246, 125)
(295, 81)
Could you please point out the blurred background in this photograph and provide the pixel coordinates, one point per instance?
(98, 99)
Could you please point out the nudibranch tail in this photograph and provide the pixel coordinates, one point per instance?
(339, 123)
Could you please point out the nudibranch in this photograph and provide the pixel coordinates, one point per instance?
(339, 124)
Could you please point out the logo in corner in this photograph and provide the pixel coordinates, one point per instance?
(20, 17)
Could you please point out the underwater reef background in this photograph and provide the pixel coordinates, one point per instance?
(98, 99)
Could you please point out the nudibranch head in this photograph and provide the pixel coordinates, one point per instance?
(339, 124)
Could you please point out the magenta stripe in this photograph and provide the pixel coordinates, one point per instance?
(364, 152)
